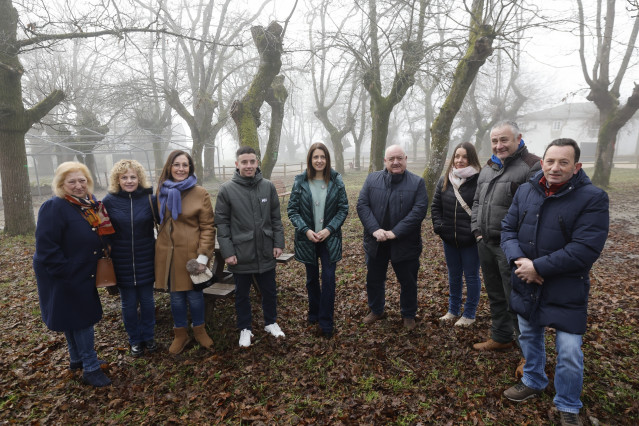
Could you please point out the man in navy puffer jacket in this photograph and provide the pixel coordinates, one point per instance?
(392, 205)
(554, 231)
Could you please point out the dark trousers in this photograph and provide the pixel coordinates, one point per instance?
(321, 300)
(266, 283)
(496, 272)
(406, 273)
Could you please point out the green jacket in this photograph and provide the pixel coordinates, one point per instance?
(300, 212)
(248, 221)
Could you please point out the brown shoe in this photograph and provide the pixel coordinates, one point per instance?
(371, 317)
(519, 372)
(180, 340)
(491, 345)
(199, 332)
(409, 323)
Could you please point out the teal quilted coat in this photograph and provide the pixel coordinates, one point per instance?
(300, 212)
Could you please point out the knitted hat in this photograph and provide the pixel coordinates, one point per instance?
(192, 266)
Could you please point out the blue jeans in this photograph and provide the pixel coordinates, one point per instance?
(194, 300)
(268, 291)
(140, 327)
(569, 372)
(81, 348)
(321, 300)
(463, 261)
(406, 273)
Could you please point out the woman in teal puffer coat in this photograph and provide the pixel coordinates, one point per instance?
(317, 209)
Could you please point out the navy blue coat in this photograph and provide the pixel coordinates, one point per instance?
(563, 235)
(300, 212)
(408, 203)
(65, 261)
(450, 221)
(133, 244)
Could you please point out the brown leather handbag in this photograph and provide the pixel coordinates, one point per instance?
(105, 274)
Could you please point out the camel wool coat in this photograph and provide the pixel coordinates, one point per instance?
(192, 234)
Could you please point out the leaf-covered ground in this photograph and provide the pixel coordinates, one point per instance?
(372, 375)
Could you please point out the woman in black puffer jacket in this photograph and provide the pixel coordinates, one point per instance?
(133, 249)
(317, 209)
(451, 211)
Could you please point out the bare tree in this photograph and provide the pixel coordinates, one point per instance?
(604, 93)
(330, 75)
(412, 53)
(246, 112)
(15, 119)
(487, 19)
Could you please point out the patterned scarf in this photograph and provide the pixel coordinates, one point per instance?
(94, 213)
(171, 196)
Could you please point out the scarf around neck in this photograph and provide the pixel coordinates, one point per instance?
(94, 213)
(171, 196)
(458, 176)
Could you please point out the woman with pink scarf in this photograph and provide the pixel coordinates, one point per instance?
(451, 212)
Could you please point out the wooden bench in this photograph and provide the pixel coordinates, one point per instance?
(224, 288)
(282, 190)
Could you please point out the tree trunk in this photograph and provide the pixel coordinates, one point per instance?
(479, 48)
(276, 98)
(15, 121)
(16, 189)
(380, 118)
(246, 112)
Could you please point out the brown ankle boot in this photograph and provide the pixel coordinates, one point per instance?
(199, 332)
(180, 340)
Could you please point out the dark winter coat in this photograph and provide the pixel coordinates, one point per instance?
(563, 235)
(450, 221)
(65, 261)
(249, 224)
(495, 191)
(408, 204)
(300, 212)
(133, 244)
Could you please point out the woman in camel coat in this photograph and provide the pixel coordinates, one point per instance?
(186, 232)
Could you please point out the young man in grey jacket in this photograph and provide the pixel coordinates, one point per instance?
(251, 237)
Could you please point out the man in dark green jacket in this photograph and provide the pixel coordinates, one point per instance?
(251, 237)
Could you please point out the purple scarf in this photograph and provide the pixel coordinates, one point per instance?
(171, 196)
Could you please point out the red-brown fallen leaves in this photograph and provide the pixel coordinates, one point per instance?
(370, 375)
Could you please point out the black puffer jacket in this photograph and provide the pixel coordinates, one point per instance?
(450, 220)
(133, 244)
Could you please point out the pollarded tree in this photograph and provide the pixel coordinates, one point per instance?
(411, 48)
(604, 93)
(246, 111)
(206, 53)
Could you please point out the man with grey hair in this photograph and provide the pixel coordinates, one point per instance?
(510, 166)
(392, 205)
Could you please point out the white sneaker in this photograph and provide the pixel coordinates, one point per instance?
(449, 316)
(464, 322)
(245, 338)
(274, 329)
